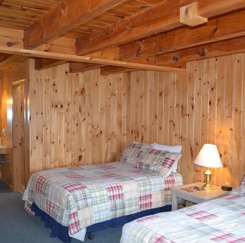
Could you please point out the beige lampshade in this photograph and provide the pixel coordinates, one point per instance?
(208, 157)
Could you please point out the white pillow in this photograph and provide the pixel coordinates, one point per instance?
(168, 148)
(174, 149)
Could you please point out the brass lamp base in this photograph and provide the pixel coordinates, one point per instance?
(207, 185)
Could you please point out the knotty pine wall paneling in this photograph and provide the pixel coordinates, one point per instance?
(1, 103)
(219, 103)
(75, 118)
(18, 138)
(13, 73)
(85, 118)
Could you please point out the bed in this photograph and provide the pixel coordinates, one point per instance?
(219, 220)
(78, 198)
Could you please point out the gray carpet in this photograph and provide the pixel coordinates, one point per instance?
(18, 226)
(4, 187)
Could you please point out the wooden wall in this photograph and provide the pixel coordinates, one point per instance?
(8, 76)
(21, 173)
(213, 112)
(0, 120)
(76, 118)
(86, 118)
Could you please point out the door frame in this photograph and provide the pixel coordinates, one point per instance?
(17, 173)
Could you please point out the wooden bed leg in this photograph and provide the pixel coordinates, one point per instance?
(90, 236)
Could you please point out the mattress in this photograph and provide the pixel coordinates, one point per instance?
(78, 197)
(219, 220)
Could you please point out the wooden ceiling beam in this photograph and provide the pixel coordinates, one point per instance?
(189, 15)
(76, 67)
(217, 29)
(154, 61)
(216, 49)
(11, 37)
(66, 16)
(11, 59)
(4, 57)
(108, 53)
(162, 17)
(14, 38)
(109, 70)
(85, 59)
(140, 25)
(42, 63)
(66, 45)
(60, 45)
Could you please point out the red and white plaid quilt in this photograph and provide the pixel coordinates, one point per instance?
(221, 220)
(78, 197)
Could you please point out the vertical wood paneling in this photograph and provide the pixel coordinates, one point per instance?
(54, 125)
(166, 100)
(87, 118)
(46, 122)
(155, 105)
(178, 109)
(197, 77)
(191, 121)
(39, 114)
(96, 118)
(184, 124)
(61, 91)
(102, 139)
(243, 115)
(107, 124)
(146, 121)
(228, 155)
(9, 75)
(1, 109)
(211, 99)
(220, 120)
(19, 137)
(119, 119)
(113, 117)
(82, 123)
(125, 98)
(139, 102)
(172, 100)
(161, 107)
(236, 117)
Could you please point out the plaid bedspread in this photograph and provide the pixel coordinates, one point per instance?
(78, 197)
(221, 220)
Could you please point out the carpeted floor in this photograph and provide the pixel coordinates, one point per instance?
(17, 226)
(4, 187)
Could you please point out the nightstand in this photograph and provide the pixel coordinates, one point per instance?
(196, 196)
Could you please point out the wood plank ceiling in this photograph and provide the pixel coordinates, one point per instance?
(120, 35)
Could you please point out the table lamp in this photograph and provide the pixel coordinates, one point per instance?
(208, 157)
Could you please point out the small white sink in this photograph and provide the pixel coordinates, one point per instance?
(3, 150)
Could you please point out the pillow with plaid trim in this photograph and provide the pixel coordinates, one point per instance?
(168, 148)
(159, 161)
(133, 152)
